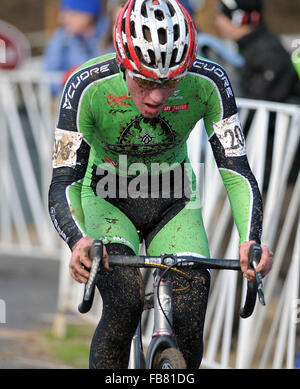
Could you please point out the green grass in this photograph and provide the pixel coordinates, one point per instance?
(72, 349)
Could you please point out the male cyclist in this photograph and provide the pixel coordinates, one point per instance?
(123, 124)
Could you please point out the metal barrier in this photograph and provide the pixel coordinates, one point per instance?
(27, 122)
(269, 337)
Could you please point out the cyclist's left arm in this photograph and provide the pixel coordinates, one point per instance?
(229, 148)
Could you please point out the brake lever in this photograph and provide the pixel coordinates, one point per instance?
(96, 253)
(255, 255)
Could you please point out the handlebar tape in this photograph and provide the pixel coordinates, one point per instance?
(254, 258)
(96, 253)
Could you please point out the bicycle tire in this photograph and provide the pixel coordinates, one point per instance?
(170, 358)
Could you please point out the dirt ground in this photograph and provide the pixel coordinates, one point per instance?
(25, 350)
(29, 289)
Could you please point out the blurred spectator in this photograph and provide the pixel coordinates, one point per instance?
(113, 8)
(192, 6)
(268, 72)
(82, 25)
(106, 39)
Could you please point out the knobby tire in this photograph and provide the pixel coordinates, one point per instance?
(171, 358)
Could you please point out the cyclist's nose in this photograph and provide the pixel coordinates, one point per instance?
(157, 96)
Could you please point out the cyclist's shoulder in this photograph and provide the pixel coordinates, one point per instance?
(209, 73)
(106, 58)
(84, 81)
(95, 68)
(206, 69)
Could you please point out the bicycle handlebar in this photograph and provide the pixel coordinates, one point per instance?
(253, 288)
(173, 260)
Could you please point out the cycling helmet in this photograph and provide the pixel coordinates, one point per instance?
(155, 39)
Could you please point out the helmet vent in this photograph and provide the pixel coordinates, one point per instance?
(127, 51)
(173, 59)
(176, 32)
(163, 59)
(147, 33)
(123, 25)
(132, 29)
(142, 59)
(162, 35)
(152, 58)
(139, 54)
(184, 52)
(144, 10)
(171, 8)
(186, 28)
(159, 15)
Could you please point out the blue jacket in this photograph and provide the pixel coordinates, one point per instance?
(65, 51)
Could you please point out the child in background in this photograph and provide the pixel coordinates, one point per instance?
(82, 25)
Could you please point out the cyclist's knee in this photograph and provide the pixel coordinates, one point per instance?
(121, 287)
(118, 249)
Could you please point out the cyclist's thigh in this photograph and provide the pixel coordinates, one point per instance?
(183, 233)
(121, 286)
(105, 221)
(74, 197)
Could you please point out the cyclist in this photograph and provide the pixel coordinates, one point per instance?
(132, 112)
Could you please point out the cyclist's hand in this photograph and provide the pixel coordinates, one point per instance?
(80, 262)
(264, 265)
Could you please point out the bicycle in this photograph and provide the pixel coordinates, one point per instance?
(163, 351)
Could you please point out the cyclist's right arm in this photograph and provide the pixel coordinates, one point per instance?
(70, 161)
(64, 177)
(68, 169)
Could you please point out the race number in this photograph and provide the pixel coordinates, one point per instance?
(230, 134)
(65, 147)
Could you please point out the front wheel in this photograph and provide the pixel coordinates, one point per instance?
(171, 358)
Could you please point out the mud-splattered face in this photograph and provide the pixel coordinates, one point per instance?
(149, 97)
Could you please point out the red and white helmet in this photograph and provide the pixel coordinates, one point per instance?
(155, 39)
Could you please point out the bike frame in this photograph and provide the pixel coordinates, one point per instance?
(163, 335)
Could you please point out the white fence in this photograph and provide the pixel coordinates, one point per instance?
(267, 339)
(27, 123)
(276, 337)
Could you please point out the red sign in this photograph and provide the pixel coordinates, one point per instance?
(14, 47)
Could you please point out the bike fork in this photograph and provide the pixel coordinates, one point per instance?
(163, 336)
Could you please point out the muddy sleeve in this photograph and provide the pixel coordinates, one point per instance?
(70, 158)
